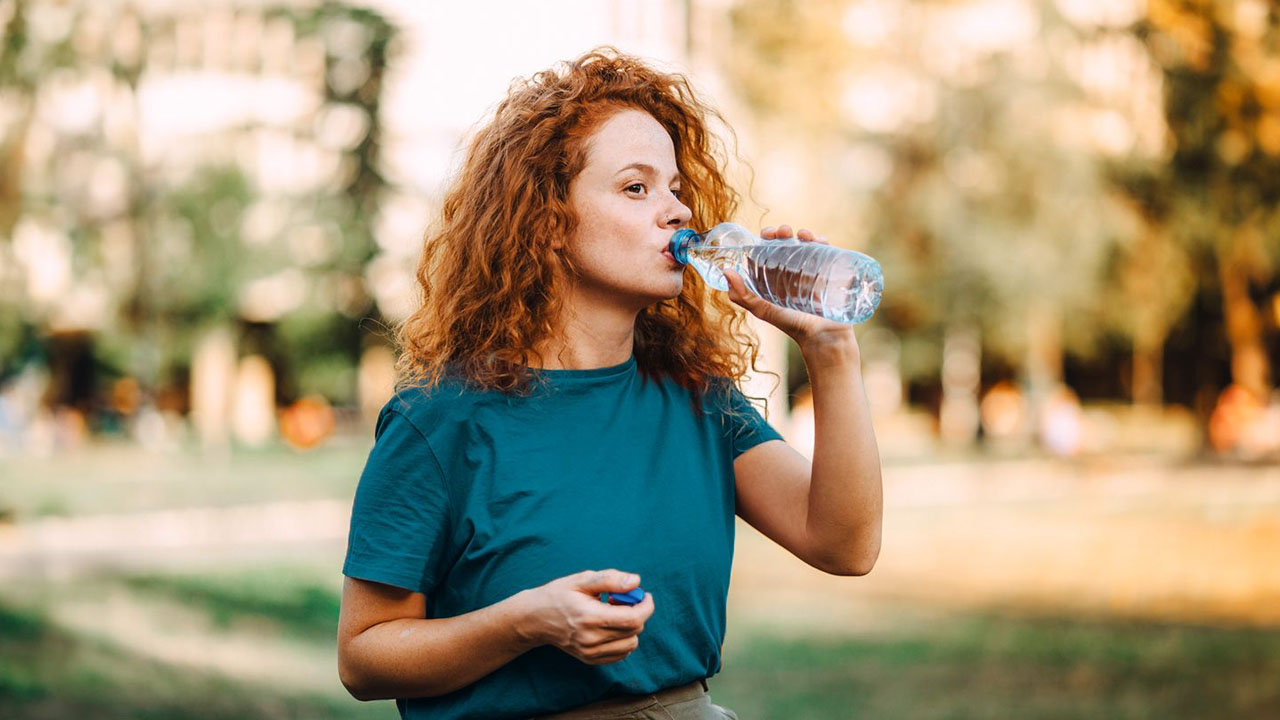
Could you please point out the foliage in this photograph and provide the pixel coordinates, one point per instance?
(168, 247)
(1218, 193)
(985, 212)
(1058, 176)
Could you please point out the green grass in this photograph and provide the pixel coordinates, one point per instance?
(999, 667)
(962, 666)
(294, 602)
(113, 477)
(47, 673)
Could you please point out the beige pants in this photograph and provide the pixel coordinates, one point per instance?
(687, 702)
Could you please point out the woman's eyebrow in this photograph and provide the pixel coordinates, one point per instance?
(646, 169)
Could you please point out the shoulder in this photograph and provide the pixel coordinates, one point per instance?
(424, 408)
(724, 397)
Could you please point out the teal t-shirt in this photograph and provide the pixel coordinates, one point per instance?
(470, 497)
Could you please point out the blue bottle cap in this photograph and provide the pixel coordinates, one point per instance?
(680, 244)
(632, 597)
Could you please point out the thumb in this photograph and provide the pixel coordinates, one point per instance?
(599, 581)
(737, 288)
(742, 295)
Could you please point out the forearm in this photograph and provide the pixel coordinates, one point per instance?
(845, 494)
(415, 657)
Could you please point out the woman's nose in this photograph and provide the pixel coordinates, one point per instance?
(678, 214)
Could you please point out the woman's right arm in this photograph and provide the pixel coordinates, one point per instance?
(387, 649)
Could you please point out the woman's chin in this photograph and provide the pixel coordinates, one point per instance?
(664, 292)
(675, 286)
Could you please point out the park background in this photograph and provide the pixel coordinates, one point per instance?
(209, 221)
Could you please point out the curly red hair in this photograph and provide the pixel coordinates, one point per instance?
(490, 281)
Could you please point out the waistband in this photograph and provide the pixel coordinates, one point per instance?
(631, 703)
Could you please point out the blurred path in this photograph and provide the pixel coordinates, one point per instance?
(1191, 543)
(1126, 537)
(178, 634)
(58, 547)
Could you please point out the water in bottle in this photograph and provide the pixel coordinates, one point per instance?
(841, 285)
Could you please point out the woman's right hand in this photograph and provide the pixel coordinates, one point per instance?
(568, 614)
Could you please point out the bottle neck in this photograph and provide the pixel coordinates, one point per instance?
(680, 243)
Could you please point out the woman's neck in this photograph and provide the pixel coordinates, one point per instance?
(587, 341)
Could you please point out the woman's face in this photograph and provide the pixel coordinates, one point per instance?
(627, 202)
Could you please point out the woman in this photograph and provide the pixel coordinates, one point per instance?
(569, 426)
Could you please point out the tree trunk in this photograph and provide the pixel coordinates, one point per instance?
(1148, 368)
(12, 159)
(1157, 283)
(1044, 358)
(1250, 367)
(961, 380)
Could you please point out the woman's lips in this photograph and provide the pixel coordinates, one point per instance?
(667, 254)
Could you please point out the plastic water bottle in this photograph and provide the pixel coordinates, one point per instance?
(841, 285)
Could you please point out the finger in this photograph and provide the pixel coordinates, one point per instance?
(738, 291)
(599, 632)
(604, 637)
(823, 239)
(784, 231)
(611, 652)
(633, 618)
(629, 621)
(806, 234)
(604, 643)
(646, 608)
(623, 618)
(598, 623)
(743, 297)
(621, 627)
(769, 232)
(595, 582)
(737, 288)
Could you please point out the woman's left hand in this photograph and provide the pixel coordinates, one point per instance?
(801, 326)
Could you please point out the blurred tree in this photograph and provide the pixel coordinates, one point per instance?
(789, 61)
(1154, 286)
(989, 216)
(216, 232)
(1011, 228)
(1219, 194)
(785, 62)
(18, 80)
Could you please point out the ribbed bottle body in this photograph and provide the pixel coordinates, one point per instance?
(838, 284)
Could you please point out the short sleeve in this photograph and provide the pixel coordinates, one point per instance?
(744, 426)
(400, 517)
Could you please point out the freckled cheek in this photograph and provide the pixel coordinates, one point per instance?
(613, 227)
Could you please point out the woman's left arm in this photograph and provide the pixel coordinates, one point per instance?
(828, 512)
(845, 499)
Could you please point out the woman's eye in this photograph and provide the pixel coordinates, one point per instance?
(676, 192)
(637, 188)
